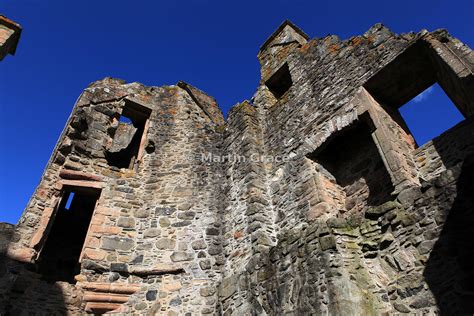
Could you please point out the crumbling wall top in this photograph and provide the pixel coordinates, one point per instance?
(9, 36)
(290, 31)
(207, 103)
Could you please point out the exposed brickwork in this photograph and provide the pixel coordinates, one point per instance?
(354, 220)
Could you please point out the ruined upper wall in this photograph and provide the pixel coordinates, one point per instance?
(328, 72)
(278, 46)
(339, 238)
(9, 36)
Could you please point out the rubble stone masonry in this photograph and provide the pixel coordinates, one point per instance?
(354, 219)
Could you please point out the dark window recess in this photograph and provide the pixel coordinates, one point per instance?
(280, 82)
(352, 162)
(127, 137)
(417, 79)
(59, 257)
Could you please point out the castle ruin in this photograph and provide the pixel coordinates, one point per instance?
(312, 198)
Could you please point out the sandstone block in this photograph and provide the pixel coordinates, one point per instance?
(165, 243)
(179, 256)
(152, 232)
(126, 222)
(119, 243)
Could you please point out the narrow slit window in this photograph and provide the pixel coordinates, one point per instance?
(280, 82)
(69, 201)
(128, 136)
(59, 256)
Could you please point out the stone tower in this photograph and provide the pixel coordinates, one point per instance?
(311, 198)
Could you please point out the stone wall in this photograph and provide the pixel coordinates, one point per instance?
(312, 199)
(445, 151)
(156, 227)
(376, 260)
(9, 36)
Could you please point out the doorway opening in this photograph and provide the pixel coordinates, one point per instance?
(59, 257)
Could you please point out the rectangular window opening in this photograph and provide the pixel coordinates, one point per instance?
(352, 171)
(417, 93)
(280, 82)
(59, 256)
(429, 114)
(128, 136)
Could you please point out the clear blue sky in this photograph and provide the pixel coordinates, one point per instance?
(213, 45)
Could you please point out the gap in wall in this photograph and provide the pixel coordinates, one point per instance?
(430, 114)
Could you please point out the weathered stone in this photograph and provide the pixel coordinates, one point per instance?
(207, 291)
(181, 224)
(401, 307)
(164, 222)
(141, 306)
(119, 267)
(421, 302)
(327, 242)
(214, 250)
(426, 246)
(407, 196)
(114, 276)
(119, 243)
(123, 137)
(375, 212)
(126, 222)
(205, 264)
(164, 211)
(186, 215)
(152, 232)
(165, 243)
(179, 256)
(386, 240)
(198, 244)
(137, 259)
(335, 222)
(212, 231)
(369, 245)
(92, 265)
(151, 295)
(141, 213)
(176, 301)
(228, 287)
(172, 286)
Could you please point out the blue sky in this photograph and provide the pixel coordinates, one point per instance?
(429, 114)
(213, 45)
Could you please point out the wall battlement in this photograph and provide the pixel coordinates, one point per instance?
(349, 217)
